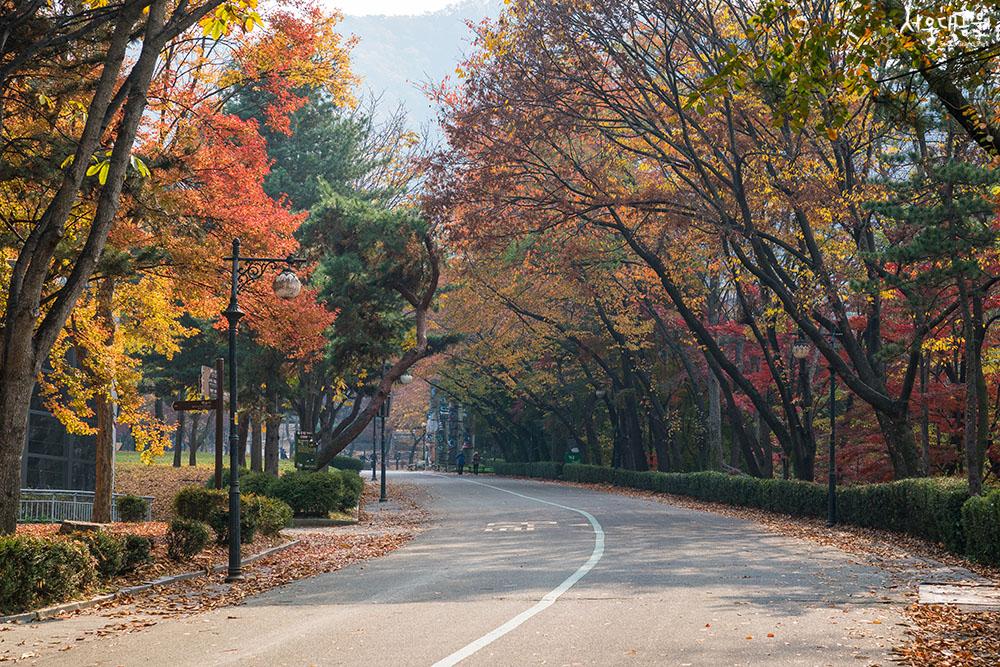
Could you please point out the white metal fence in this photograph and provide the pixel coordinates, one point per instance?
(54, 505)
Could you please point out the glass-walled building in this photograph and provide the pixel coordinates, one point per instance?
(55, 459)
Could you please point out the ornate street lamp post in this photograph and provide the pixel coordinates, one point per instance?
(405, 378)
(286, 285)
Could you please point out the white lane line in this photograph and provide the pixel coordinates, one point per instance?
(549, 598)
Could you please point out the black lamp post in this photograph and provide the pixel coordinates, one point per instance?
(405, 378)
(374, 443)
(286, 286)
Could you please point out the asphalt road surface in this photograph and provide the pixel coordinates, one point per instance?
(528, 573)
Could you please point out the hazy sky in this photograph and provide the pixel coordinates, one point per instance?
(362, 7)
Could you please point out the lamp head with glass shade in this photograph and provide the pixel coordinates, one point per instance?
(800, 350)
(286, 284)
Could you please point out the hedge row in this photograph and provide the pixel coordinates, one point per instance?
(35, 571)
(539, 469)
(939, 510)
(308, 493)
(211, 507)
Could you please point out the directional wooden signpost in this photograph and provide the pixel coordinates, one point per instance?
(210, 384)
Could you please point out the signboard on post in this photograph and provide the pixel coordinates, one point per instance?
(210, 386)
(305, 451)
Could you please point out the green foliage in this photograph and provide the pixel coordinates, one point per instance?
(138, 551)
(35, 572)
(198, 504)
(219, 522)
(310, 493)
(269, 515)
(981, 520)
(927, 508)
(108, 551)
(538, 469)
(132, 509)
(186, 538)
(938, 510)
(250, 481)
(353, 487)
(347, 463)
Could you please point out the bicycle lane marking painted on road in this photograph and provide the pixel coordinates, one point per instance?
(549, 598)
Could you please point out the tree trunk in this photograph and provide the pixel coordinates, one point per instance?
(256, 463)
(243, 430)
(179, 435)
(193, 439)
(713, 429)
(15, 400)
(104, 407)
(271, 448)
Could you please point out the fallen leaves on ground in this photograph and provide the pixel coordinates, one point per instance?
(320, 550)
(160, 481)
(947, 636)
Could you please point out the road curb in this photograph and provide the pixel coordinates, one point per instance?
(53, 611)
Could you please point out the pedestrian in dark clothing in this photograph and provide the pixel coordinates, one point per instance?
(460, 461)
(475, 463)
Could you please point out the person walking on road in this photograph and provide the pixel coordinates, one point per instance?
(460, 461)
(475, 463)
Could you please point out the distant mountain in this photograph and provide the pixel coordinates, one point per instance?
(397, 55)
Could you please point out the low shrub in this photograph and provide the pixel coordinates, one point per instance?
(981, 521)
(108, 551)
(269, 515)
(198, 504)
(353, 487)
(537, 469)
(186, 538)
(35, 572)
(310, 493)
(347, 463)
(138, 551)
(132, 509)
(218, 521)
(257, 483)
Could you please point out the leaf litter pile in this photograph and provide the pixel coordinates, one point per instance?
(940, 635)
(318, 550)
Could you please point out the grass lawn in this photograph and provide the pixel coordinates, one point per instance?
(206, 459)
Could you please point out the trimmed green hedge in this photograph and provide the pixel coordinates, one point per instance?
(981, 519)
(936, 509)
(538, 469)
(35, 572)
(347, 463)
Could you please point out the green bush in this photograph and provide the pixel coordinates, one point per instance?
(108, 551)
(928, 508)
(347, 463)
(198, 504)
(138, 550)
(132, 509)
(310, 493)
(186, 538)
(250, 481)
(981, 520)
(353, 487)
(538, 469)
(269, 515)
(219, 523)
(36, 572)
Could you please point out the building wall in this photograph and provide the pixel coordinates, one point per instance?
(53, 458)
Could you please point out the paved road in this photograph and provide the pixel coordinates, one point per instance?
(672, 587)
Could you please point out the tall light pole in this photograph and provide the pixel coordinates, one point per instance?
(405, 378)
(286, 286)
